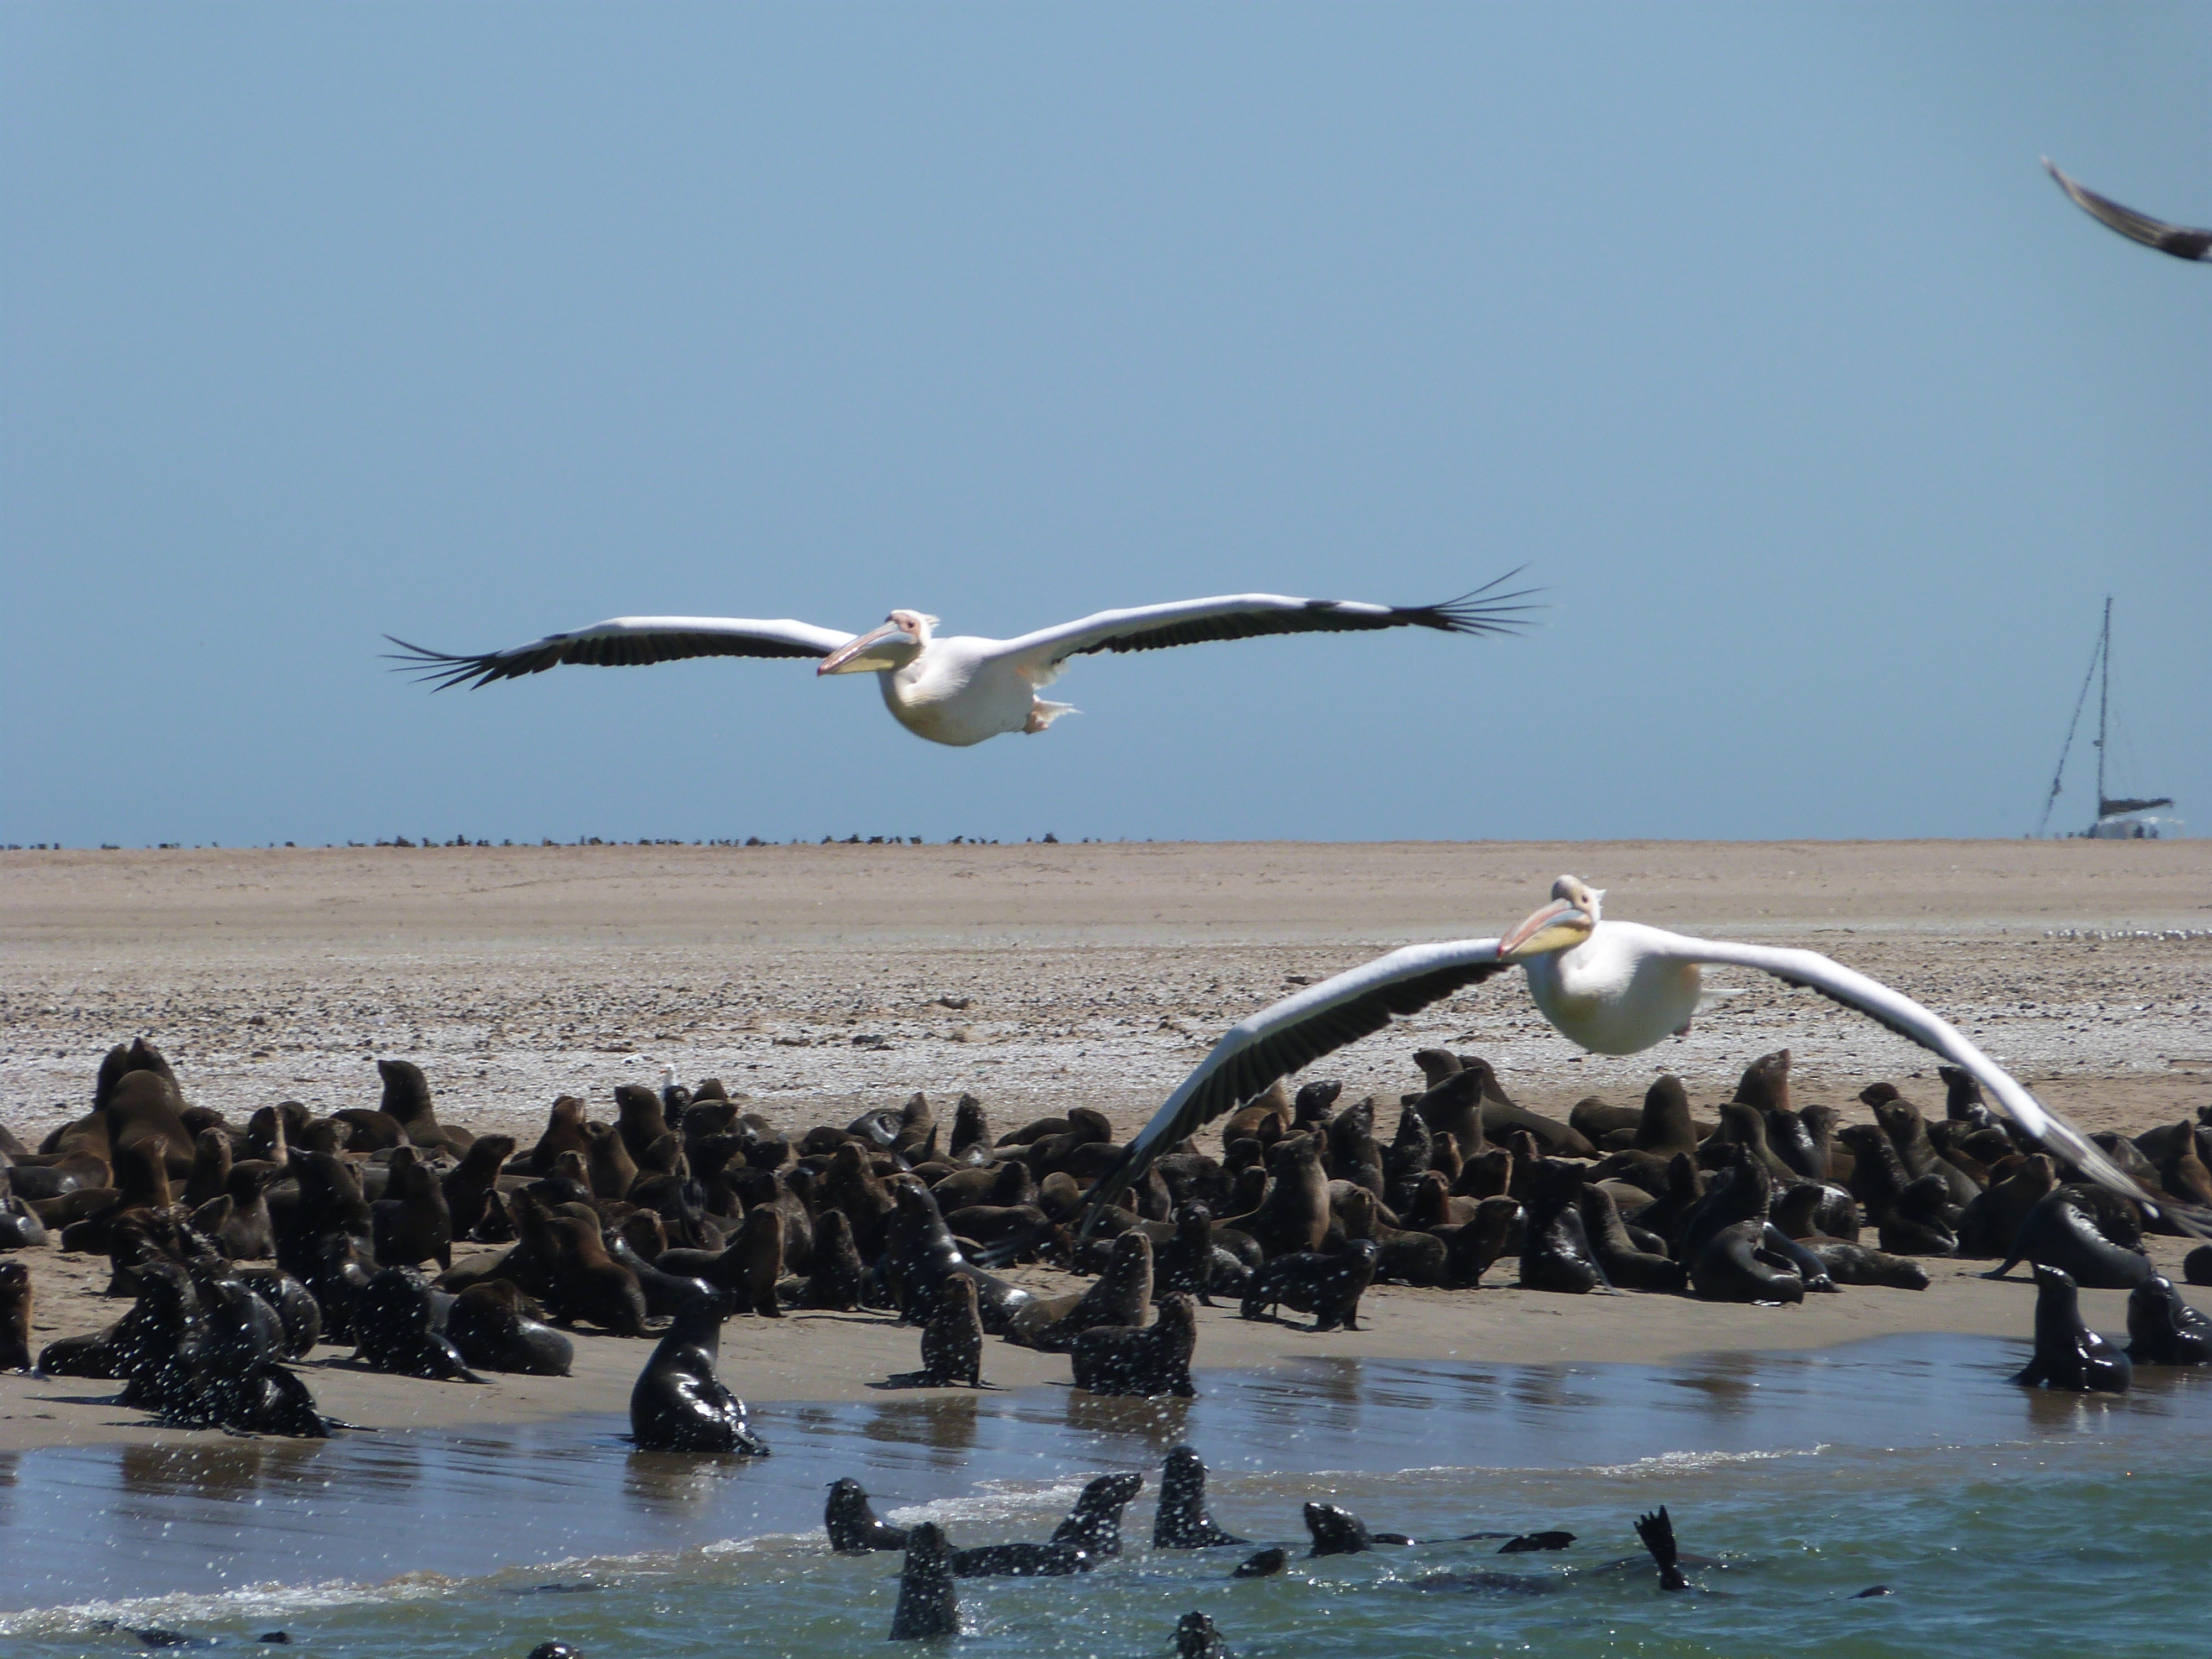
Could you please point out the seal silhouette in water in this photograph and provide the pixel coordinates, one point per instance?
(679, 1404)
(1183, 1522)
(851, 1522)
(1095, 1522)
(1197, 1636)
(927, 1604)
(1339, 1532)
(2067, 1354)
(1657, 1532)
(1266, 1564)
(2162, 1328)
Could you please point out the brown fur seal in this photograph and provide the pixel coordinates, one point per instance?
(1326, 1287)
(1118, 1296)
(1339, 1532)
(2162, 1328)
(564, 1132)
(679, 1404)
(14, 1317)
(2072, 1229)
(927, 1604)
(2196, 1265)
(1555, 1248)
(851, 1522)
(469, 1183)
(1847, 1262)
(1665, 1127)
(407, 1102)
(1294, 1215)
(2067, 1354)
(952, 1341)
(411, 1223)
(1197, 1636)
(1735, 1264)
(1095, 1523)
(1183, 1522)
(1121, 1359)
(494, 1331)
(836, 1277)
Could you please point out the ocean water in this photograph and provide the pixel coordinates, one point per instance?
(2003, 1521)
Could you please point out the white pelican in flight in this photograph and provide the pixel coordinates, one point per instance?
(1616, 987)
(2180, 240)
(953, 689)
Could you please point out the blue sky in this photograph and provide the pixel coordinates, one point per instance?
(1757, 332)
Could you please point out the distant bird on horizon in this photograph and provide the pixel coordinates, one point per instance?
(953, 689)
(2180, 240)
(1612, 987)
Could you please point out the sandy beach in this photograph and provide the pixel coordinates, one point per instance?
(820, 981)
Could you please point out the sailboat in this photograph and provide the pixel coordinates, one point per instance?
(2119, 818)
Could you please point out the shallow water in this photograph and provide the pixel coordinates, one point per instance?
(2005, 1519)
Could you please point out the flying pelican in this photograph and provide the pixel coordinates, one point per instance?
(1615, 987)
(952, 689)
(2179, 240)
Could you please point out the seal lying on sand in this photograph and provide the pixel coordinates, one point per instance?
(679, 1404)
(927, 1604)
(2162, 1328)
(1183, 1522)
(2067, 1354)
(1339, 1532)
(850, 1520)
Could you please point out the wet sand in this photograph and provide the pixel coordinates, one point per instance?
(821, 981)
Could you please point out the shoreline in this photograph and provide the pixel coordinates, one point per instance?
(1492, 1326)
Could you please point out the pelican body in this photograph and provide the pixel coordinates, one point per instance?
(1612, 987)
(958, 690)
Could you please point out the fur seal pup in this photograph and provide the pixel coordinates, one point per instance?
(411, 1223)
(927, 1604)
(2162, 1328)
(1736, 1265)
(1122, 1359)
(2071, 1230)
(952, 1341)
(1197, 1636)
(1265, 1564)
(1326, 1287)
(1183, 1522)
(469, 1183)
(1657, 1532)
(1021, 1561)
(1095, 1523)
(1186, 1263)
(679, 1403)
(1555, 1250)
(851, 1523)
(1615, 1252)
(2067, 1354)
(836, 1277)
(14, 1317)
(1849, 1263)
(395, 1323)
(1339, 1532)
(490, 1327)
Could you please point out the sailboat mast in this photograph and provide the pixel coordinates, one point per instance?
(2104, 697)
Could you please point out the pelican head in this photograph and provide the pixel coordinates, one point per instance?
(903, 636)
(1565, 922)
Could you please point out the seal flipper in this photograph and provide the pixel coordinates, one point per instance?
(1657, 1532)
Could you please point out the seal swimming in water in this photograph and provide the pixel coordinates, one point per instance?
(1265, 1564)
(679, 1403)
(1657, 1532)
(850, 1520)
(1095, 1522)
(1022, 1561)
(927, 1604)
(1122, 1359)
(2162, 1328)
(2067, 1354)
(1183, 1522)
(1339, 1532)
(1197, 1636)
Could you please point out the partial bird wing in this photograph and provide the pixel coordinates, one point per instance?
(2180, 240)
(1914, 1024)
(1039, 656)
(1292, 1034)
(626, 642)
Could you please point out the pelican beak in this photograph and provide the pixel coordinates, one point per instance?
(1558, 926)
(854, 656)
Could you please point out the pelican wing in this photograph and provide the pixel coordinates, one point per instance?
(1294, 1033)
(1901, 1014)
(2179, 240)
(625, 642)
(1245, 616)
